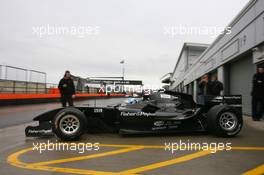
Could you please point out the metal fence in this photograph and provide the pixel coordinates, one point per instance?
(21, 74)
(16, 80)
(24, 87)
(36, 76)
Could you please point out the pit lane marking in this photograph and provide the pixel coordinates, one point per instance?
(256, 171)
(167, 163)
(241, 148)
(88, 156)
(14, 160)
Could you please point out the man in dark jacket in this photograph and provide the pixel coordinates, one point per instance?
(258, 94)
(208, 87)
(203, 85)
(202, 89)
(215, 87)
(67, 89)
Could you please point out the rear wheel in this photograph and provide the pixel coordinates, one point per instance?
(69, 124)
(224, 121)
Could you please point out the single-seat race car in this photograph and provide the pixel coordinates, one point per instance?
(163, 112)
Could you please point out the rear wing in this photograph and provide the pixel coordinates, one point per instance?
(234, 101)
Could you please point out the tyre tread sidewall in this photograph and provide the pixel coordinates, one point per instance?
(59, 116)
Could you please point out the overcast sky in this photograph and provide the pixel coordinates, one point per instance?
(133, 30)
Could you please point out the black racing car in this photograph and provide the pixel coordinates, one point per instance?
(163, 112)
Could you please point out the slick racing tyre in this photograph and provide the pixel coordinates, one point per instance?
(224, 121)
(69, 124)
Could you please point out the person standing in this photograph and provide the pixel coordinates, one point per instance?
(216, 87)
(209, 87)
(67, 89)
(202, 89)
(203, 85)
(258, 94)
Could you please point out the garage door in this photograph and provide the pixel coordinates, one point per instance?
(241, 73)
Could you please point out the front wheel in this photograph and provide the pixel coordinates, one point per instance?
(224, 121)
(69, 124)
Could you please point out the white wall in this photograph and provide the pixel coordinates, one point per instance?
(247, 32)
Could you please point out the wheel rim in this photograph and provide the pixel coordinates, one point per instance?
(228, 121)
(69, 124)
